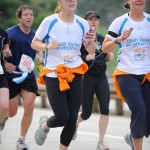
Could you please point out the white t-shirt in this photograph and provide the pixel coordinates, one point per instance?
(70, 37)
(134, 54)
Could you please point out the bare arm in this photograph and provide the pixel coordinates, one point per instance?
(109, 45)
(6, 51)
(40, 46)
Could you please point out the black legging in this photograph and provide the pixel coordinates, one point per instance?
(65, 106)
(98, 85)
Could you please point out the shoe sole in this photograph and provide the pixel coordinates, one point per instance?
(36, 138)
(128, 142)
(41, 121)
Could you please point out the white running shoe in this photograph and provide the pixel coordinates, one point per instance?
(102, 146)
(21, 145)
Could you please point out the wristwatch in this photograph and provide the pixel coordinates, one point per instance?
(116, 41)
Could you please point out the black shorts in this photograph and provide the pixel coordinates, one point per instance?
(29, 84)
(3, 81)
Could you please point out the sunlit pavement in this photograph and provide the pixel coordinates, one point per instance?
(87, 133)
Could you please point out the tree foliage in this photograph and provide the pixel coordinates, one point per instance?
(107, 9)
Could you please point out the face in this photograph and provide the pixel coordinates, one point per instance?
(27, 18)
(68, 5)
(137, 5)
(93, 22)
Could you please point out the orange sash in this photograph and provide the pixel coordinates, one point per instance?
(147, 76)
(65, 74)
(118, 72)
(115, 74)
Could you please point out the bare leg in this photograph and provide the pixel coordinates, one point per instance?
(137, 143)
(4, 103)
(103, 123)
(62, 147)
(28, 103)
(79, 120)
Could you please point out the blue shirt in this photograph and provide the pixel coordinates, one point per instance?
(20, 43)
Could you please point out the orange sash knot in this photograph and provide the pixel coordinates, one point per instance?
(65, 75)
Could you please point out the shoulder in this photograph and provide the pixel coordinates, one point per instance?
(51, 18)
(12, 29)
(147, 16)
(120, 19)
(82, 20)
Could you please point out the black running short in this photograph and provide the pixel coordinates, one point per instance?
(3, 81)
(29, 84)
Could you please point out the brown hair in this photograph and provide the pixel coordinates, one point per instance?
(21, 8)
(57, 9)
(127, 5)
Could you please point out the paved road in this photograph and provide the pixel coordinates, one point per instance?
(87, 133)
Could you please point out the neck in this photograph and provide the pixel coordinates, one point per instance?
(66, 17)
(24, 29)
(137, 16)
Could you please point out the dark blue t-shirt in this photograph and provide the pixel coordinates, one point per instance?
(20, 43)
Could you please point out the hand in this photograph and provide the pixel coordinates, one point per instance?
(40, 61)
(109, 57)
(7, 52)
(9, 67)
(53, 44)
(90, 37)
(125, 34)
(90, 57)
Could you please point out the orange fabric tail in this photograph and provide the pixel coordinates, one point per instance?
(65, 74)
(115, 74)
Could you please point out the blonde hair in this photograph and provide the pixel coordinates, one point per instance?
(57, 9)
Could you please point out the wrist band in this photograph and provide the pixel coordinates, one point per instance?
(46, 46)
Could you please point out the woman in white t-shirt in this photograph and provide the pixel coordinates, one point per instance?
(63, 34)
(131, 32)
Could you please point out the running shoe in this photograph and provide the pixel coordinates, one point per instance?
(128, 140)
(41, 133)
(102, 146)
(21, 145)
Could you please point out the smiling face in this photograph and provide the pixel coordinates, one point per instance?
(26, 18)
(137, 5)
(68, 5)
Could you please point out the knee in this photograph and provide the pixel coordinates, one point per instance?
(63, 121)
(141, 114)
(85, 116)
(28, 109)
(12, 112)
